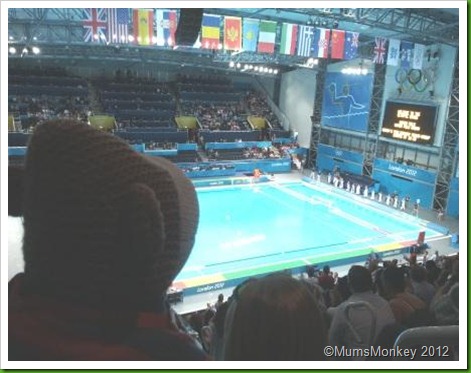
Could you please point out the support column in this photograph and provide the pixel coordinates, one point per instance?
(372, 132)
(317, 114)
(448, 153)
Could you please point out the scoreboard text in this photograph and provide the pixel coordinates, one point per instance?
(409, 122)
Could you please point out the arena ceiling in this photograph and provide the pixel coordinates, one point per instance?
(424, 25)
(59, 32)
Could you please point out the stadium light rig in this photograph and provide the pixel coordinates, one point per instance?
(248, 67)
(310, 63)
(354, 71)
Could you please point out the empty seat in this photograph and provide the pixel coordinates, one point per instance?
(431, 342)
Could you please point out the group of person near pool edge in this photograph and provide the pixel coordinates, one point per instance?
(392, 199)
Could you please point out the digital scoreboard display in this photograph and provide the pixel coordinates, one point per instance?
(409, 122)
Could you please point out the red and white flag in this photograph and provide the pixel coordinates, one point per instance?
(320, 46)
(266, 37)
(289, 35)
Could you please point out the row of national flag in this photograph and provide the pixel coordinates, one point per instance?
(396, 52)
(158, 26)
(255, 35)
(106, 25)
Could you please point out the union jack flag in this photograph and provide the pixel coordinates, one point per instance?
(95, 25)
(379, 54)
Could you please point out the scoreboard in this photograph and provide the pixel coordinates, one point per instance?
(409, 122)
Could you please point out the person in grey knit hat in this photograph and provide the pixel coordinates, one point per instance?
(106, 230)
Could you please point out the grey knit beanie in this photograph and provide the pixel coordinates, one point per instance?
(104, 226)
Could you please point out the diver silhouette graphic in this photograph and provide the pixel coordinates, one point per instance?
(345, 101)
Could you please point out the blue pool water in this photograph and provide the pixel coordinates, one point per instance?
(243, 226)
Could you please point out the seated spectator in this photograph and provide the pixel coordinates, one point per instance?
(274, 318)
(258, 106)
(326, 278)
(361, 286)
(338, 294)
(212, 334)
(420, 287)
(106, 230)
(433, 272)
(405, 306)
(220, 301)
(311, 275)
(445, 307)
(449, 273)
(435, 257)
(312, 281)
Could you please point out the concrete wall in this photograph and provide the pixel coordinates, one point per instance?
(297, 102)
(268, 83)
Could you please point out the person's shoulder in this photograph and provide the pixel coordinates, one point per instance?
(379, 302)
(410, 299)
(163, 344)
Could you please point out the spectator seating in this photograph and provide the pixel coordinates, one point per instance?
(138, 103)
(257, 105)
(440, 342)
(35, 96)
(154, 136)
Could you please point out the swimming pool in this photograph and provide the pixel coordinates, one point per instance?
(255, 229)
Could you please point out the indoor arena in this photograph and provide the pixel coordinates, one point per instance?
(193, 186)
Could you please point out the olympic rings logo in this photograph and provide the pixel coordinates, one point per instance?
(416, 79)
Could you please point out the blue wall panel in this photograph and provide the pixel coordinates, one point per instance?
(453, 207)
(266, 165)
(346, 155)
(327, 164)
(405, 186)
(405, 180)
(329, 158)
(406, 171)
(188, 146)
(237, 145)
(454, 184)
(453, 198)
(17, 151)
(161, 152)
